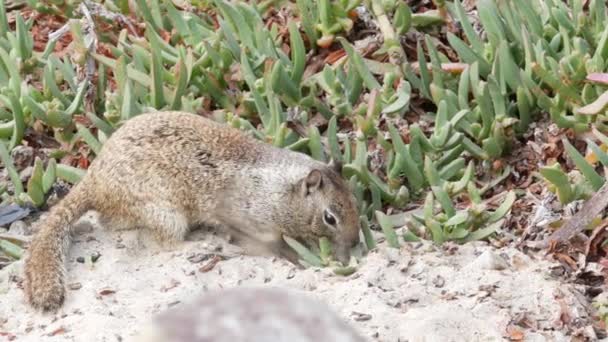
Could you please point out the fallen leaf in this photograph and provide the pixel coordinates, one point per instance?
(522, 320)
(58, 331)
(335, 56)
(603, 262)
(590, 210)
(515, 334)
(449, 296)
(565, 316)
(83, 162)
(210, 265)
(165, 35)
(452, 68)
(593, 246)
(199, 257)
(314, 65)
(11, 213)
(595, 107)
(598, 77)
(567, 260)
(106, 292)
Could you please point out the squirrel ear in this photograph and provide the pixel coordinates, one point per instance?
(312, 182)
(335, 165)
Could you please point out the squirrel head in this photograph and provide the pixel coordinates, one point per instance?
(332, 208)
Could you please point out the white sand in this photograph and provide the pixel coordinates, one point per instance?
(471, 293)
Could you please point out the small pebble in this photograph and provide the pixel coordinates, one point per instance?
(393, 255)
(360, 316)
(199, 257)
(438, 281)
(19, 228)
(489, 260)
(95, 256)
(26, 173)
(489, 289)
(22, 156)
(75, 286)
(172, 304)
(557, 271)
(291, 273)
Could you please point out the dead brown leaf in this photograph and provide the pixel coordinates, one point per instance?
(593, 248)
(165, 35)
(106, 292)
(590, 210)
(83, 161)
(334, 56)
(514, 333)
(524, 321)
(210, 265)
(565, 315)
(566, 259)
(598, 77)
(58, 331)
(604, 263)
(315, 64)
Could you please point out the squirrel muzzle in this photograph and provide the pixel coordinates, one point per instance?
(342, 253)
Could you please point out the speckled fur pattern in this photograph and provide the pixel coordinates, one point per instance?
(170, 171)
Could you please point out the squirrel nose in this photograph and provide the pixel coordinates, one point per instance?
(343, 253)
(356, 240)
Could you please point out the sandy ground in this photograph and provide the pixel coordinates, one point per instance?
(417, 293)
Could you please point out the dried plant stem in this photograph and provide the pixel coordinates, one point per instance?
(396, 54)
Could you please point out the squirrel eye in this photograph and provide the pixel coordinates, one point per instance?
(328, 218)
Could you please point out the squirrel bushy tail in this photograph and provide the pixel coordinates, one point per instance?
(44, 283)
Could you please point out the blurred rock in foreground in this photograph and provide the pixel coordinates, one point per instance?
(250, 314)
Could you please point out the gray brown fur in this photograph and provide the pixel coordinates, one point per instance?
(255, 314)
(171, 171)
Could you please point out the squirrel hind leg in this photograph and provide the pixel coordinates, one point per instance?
(118, 223)
(168, 224)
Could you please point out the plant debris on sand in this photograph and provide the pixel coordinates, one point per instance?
(473, 292)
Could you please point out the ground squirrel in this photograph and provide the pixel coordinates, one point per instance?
(170, 171)
(250, 314)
